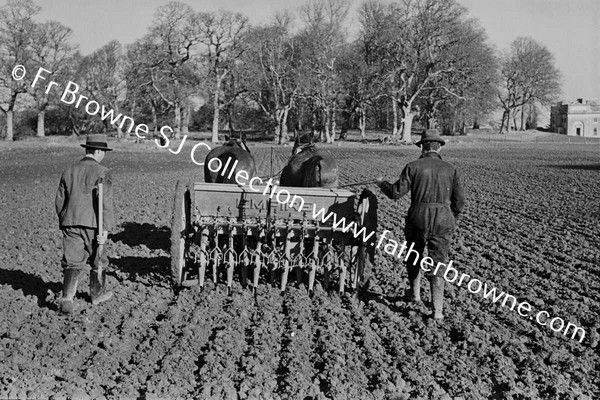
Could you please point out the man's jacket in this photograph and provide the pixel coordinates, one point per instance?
(436, 194)
(77, 196)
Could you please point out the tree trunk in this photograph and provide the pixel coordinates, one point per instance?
(431, 123)
(215, 125)
(395, 117)
(284, 127)
(502, 123)
(134, 106)
(119, 130)
(278, 132)
(154, 118)
(407, 123)
(522, 118)
(40, 123)
(386, 116)
(508, 121)
(177, 121)
(186, 119)
(300, 116)
(362, 122)
(333, 124)
(315, 129)
(327, 125)
(9, 125)
(9, 117)
(281, 130)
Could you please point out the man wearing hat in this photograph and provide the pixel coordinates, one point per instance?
(76, 205)
(436, 200)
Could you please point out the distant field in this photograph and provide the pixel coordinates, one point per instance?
(372, 137)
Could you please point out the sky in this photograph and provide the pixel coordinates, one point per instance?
(570, 29)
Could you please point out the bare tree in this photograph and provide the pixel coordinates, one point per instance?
(468, 93)
(321, 44)
(382, 41)
(420, 44)
(222, 34)
(140, 92)
(16, 34)
(360, 65)
(172, 45)
(272, 58)
(51, 50)
(103, 77)
(528, 76)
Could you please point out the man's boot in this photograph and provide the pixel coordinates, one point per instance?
(71, 279)
(437, 297)
(98, 291)
(414, 295)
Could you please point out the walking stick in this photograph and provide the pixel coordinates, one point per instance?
(100, 212)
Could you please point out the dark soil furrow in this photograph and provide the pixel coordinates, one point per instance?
(338, 366)
(175, 375)
(295, 369)
(113, 358)
(374, 355)
(160, 336)
(218, 372)
(258, 366)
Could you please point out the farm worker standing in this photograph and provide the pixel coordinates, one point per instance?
(436, 200)
(77, 207)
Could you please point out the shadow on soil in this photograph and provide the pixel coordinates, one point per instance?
(142, 267)
(135, 234)
(589, 167)
(31, 285)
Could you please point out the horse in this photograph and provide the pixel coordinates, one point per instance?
(309, 167)
(234, 155)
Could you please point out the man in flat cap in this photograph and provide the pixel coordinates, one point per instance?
(77, 206)
(436, 200)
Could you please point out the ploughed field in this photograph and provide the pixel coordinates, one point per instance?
(530, 227)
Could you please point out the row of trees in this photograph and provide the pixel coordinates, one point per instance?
(422, 60)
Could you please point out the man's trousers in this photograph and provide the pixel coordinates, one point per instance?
(79, 248)
(431, 227)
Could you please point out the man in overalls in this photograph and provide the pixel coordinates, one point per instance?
(436, 200)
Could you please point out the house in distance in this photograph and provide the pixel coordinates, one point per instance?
(578, 118)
